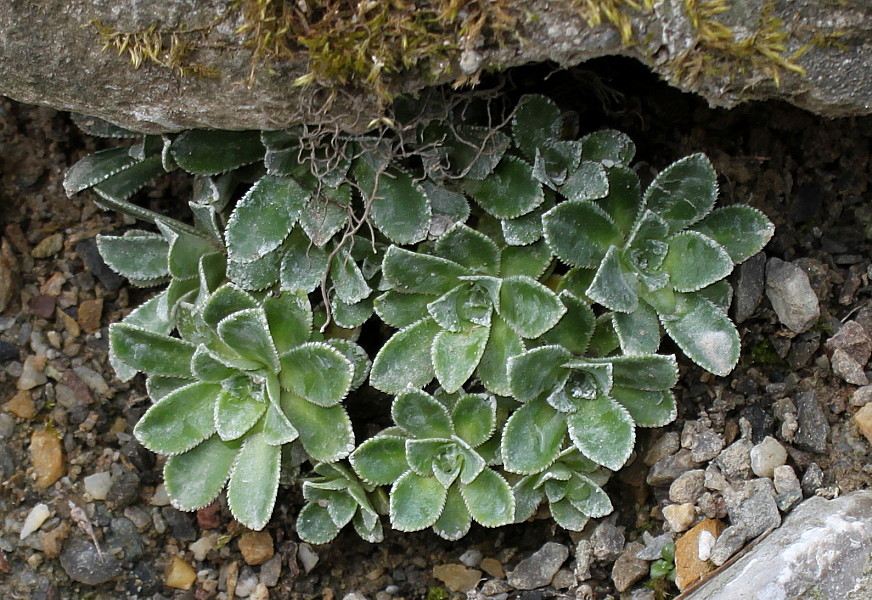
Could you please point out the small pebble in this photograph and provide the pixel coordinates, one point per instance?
(90, 312)
(260, 592)
(308, 558)
(393, 590)
(863, 420)
(256, 547)
(471, 558)
(688, 487)
(49, 246)
(457, 578)
(47, 458)
(767, 456)
(35, 518)
(203, 546)
(97, 485)
(628, 568)
(21, 405)
(180, 575)
(679, 516)
(160, 496)
(537, 570)
(246, 584)
(83, 563)
(271, 570)
(32, 373)
(493, 567)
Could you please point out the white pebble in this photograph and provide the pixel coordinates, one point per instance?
(705, 545)
(97, 485)
(471, 558)
(767, 456)
(308, 557)
(37, 516)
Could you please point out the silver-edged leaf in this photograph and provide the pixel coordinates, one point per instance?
(195, 478)
(137, 255)
(405, 359)
(150, 352)
(317, 372)
(529, 307)
(695, 261)
(684, 192)
(456, 355)
(325, 432)
(580, 233)
(704, 333)
(180, 420)
(96, 167)
(380, 460)
(648, 408)
(509, 192)
(638, 331)
(254, 483)
(416, 502)
(741, 230)
(603, 431)
(532, 438)
(470, 249)
(212, 152)
(421, 416)
(489, 499)
(414, 273)
(454, 522)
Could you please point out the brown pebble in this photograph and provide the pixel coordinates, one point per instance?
(180, 575)
(46, 457)
(688, 567)
(256, 547)
(49, 246)
(54, 539)
(260, 593)
(209, 517)
(8, 274)
(32, 372)
(89, 315)
(863, 420)
(457, 578)
(69, 324)
(493, 567)
(43, 306)
(53, 286)
(232, 578)
(21, 405)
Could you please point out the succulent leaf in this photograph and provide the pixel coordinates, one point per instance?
(575, 328)
(695, 261)
(648, 408)
(137, 255)
(470, 249)
(421, 416)
(538, 371)
(254, 483)
(456, 355)
(624, 200)
(196, 477)
(613, 286)
(603, 431)
(741, 230)
(289, 318)
(580, 233)
(126, 183)
(532, 438)
(638, 331)
(502, 344)
(303, 264)
(151, 352)
(401, 310)
(325, 432)
(416, 502)
(180, 420)
(588, 182)
(210, 152)
(454, 522)
(531, 260)
(489, 499)
(95, 168)
(475, 418)
(317, 372)
(400, 207)
(535, 122)
(315, 525)
(704, 333)
(509, 192)
(405, 359)
(413, 273)
(684, 192)
(235, 414)
(610, 147)
(247, 333)
(380, 460)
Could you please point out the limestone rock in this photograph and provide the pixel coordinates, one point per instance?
(822, 551)
(791, 295)
(538, 570)
(59, 62)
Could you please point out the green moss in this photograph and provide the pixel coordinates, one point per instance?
(763, 353)
(437, 593)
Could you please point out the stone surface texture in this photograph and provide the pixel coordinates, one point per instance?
(46, 59)
(823, 551)
(791, 294)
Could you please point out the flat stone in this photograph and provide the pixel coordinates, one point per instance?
(749, 287)
(21, 405)
(97, 485)
(608, 541)
(8, 351)
(863, 420)
(458, 578)
(802, 348)
(48, 246)
(751, 506)
(180, 524)
(538, 570)
(583, 559)
(32, 373)
(180, 575)
(767, 456)
(564, 579)
(862, 396)
(854, 340)
(666, 445)
(270, 571)
(667, 470)
(823, 551)
(204, 545)
(654, 545)
(81, 562)
(689, 566)
(125, 535)
(788, 490)
(790, 292)
(307, 556)
(628, 568)
(847, 368)
(814, 429)
(492, 567)
(471, 558)
(47, 458)
(43, 306)
(89, 314)
(728, 543)
(679, 516)
(687, 487)
(256, 547)
(735, 460)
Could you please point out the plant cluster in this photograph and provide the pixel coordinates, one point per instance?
(526, 278)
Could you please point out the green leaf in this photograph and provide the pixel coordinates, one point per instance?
(741, 230)
(416, 502)
(526, 229)
(97, 127)
(414, 273)
(289, 317)
(624, 201)
(350, 316)
(604, 339)
(567, 516)
(538, 371)
(527, 498)
(648, 408)
(150, 352)
(532, 260)
(348, 281)
(147, 316)
(555, 160)
(475, 151)
(400, 209)
(206, 367)
(695, 261)
(529, 307)
(720, 293)
(371, 532)
(638, 331)
(684, 192)
(509, 192)
(157, 387)
(96, 167)
(137, 255)
(470, 249)
(610, 147)
(614, 286)
(475, 418)
(405, 359)
(535, 122)
(180, 420)
(211, 152)
(126, 183)
(277, 429)
(259, 274)
(502, 344)
(434, 457)
(254, 483)
(314, 524)
(226, 300)
(456, 355)
(380, 460)
(317, 372)
(421, 416)
(454, 522)
(303, 264)
(448, 207)
(263, 217)
(235, 415)
(325, 433)
(575, 328)
(489, 499)
(704, 333)
(324, 217)
(580, 233)
(196, 477)
(532, 438)
(401, 310)
(587, 182)
(589, 498)
(247, 333)
(649, 372)
(603, 431)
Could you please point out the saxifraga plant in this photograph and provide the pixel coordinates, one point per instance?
(527, 276)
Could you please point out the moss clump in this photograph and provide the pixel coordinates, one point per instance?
(596, 12)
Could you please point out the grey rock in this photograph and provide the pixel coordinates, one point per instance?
(87, 251)
(790, 292)
(643, 594)
(563, 579)
(854, 340)
(537, 570)
(666, 444)
(735, 460)
(653, 545)
(124, 490)
(628, 568)
(583, 559)
(8, 351)
(608, 541)
(714, 479)
(823, 551)
(471, 558)
(666, 470)
(847, 368)
(749, 286)
(271, 570)
(125, 535)
(688, 487)
(712, 505)
(727, 544)
(802, 348)
(81, 562)
(788, 490)
(767, 456)
(812, 479)
(813, 426)
(704, 443)
(181, 526)
(59, 62)
(752, 507)
(862, 396)
(493, 587)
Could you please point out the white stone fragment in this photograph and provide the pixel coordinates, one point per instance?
(35, 518)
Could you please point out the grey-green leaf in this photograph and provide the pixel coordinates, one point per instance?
(684, 192)
(180, 420)
(325, 433)
(303, 264)
(648, 408)
(380, 460)
(247, 333)
(587, 182)
(474, 418)
(695, 261)
(96, 167)
(195, 478)
(316, 372)
(454, 522)
(536, 121)
(211, 152)
(235, 415)
(416, 502)
(421, 416)
(741, 230)
(489, 499)
(509, 192)
(638, 331)
(704, 333)
(254, 482)
(470, 249)
(502, 344)
(150, 352)
(137, 255)
(603, 431)
(610, 147)
(580, 233)
(405, 359)
(456, 355)
(538, 371)
(532, 438)
(529, 307)
(314, 524)
(414, 273)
